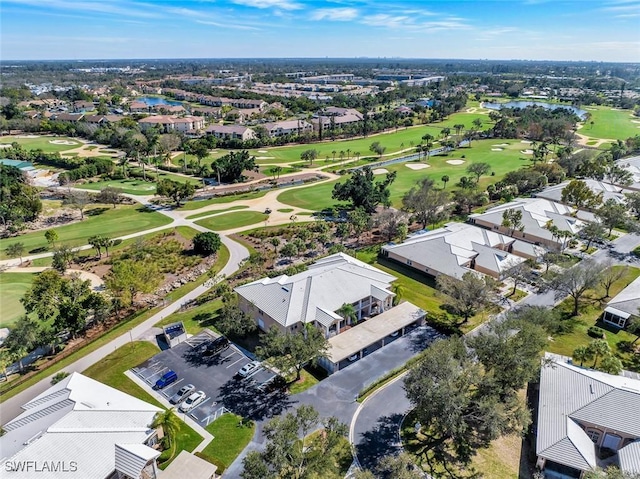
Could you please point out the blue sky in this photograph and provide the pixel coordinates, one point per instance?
(602, 30)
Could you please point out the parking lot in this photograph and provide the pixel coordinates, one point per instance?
(215, 375)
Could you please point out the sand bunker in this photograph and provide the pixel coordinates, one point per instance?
(635, 121)
(262, 151)
(63, 142)
(417, 166)
(456, 162)
(265, 157)
(5, 145)
(526, 152)
(496, 149)
(380, 171)
(526, 142)
(501, 145)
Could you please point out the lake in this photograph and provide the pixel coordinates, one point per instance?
(154, 100)
(543, 104)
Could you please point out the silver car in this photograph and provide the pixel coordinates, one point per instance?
(182, 393)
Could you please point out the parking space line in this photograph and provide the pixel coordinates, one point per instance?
(191, 413)
(226, 357)
(235, 362)
(254, 373)
(165, 393)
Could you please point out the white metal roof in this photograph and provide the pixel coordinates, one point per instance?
(628, 300)
(131, 459)
(81, 420)
(327, 284)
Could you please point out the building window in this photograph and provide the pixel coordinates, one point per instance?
(594, 435)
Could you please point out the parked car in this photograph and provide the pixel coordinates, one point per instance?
(166, 379)
(192, 401)
(182, 393)
(394, 334)
(215, 346)
(354, 357)
(247, 369)
(267, 211)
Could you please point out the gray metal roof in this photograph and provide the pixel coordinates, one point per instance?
(628, 300)
(609, 191)
(629, 458)
(568, 395)
(449, 250)
(327, 284)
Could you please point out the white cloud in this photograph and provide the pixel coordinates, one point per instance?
(283, 4)
(335, 14)
(234, 26)
(127, 9)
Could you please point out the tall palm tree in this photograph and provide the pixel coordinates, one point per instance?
(582, 354)
(348, 312)
(599, 348)
(170, 424)
(428, 143)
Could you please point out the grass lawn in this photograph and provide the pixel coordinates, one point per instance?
(316, 197)
(610, 123)
(393, 141)
(231, 435)
(131, 186)
(110, 371)
(195, 319)
(12, 289)
(215, 212)
(232, 220)
(43, 143)
(164, 175)
(590, 312)
(306, 381)
(99, 220)
(197, 204)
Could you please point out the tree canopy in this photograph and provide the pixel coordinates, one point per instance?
(19, 201)
(361, 189)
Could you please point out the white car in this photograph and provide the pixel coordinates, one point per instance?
(192, 401)
(247, 369)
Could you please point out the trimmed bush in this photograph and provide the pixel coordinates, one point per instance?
(596, 332)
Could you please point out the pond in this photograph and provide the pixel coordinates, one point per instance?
(524, 104)
(155, 100)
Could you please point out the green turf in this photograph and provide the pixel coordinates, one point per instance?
(99, 220)
(610, 123)
(131, 186)
(42, 143)
(231, 435)
(12, 289)
(195, 319)
(317, 197)
(214, 212)
(230, 221)
(197, 204)
(164, 175)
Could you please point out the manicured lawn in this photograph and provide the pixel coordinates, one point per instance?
(610, 123)
(131, 186)
(43, 143)
(590, 312)
(231, 436)
(393, 142)
(164, 175)
(232, 220)
(110, 371)
(316, 197)
(12, 289)
(195, 319)
(215, 212)
(99, 220)
(197, 204)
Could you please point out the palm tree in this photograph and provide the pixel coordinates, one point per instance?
(599, 348)
(348, 313)
(348, 152)
(445, 132)
(170, 424)
(445, 180)
(458, 127)
(334, 154)
(428, 143)
(398, 290)
(275, 242)
(582, 354)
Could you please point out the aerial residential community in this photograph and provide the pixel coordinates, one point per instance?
(286, 239)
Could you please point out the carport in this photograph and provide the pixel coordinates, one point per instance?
(366, 333)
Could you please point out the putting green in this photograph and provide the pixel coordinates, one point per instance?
(230, 221)
(12, 289)
(48, 144)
